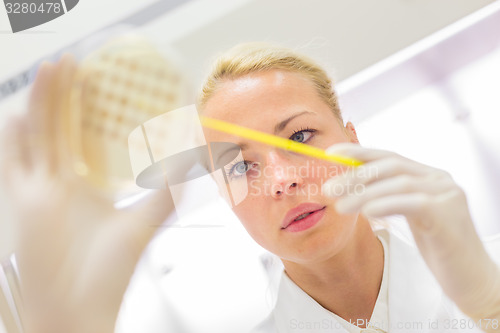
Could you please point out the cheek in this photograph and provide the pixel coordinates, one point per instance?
(318, 172)
(255, 221)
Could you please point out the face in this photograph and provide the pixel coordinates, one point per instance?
(284, 210)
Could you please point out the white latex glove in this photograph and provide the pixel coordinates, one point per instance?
(436, 209)
(76, 252)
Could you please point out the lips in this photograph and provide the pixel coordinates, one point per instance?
(299, 213)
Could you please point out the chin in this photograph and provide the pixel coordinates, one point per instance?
(312, 249)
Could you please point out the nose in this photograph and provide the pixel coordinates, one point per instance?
(282, 175)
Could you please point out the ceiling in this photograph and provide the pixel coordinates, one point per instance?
(345, 36)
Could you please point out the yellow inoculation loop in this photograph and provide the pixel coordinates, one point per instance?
(276, 141)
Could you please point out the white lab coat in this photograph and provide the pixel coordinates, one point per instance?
(416, 302)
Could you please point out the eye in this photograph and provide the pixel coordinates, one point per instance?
(302, 136)
(239, 169)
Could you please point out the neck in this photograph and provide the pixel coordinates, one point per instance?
(347, 283)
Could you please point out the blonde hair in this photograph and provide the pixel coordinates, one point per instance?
(248, 58)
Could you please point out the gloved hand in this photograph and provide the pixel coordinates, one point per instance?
(76, 252)
(437, 213)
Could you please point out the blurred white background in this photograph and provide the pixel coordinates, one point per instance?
(419, 77)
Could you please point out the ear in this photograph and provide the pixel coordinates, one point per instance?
(351, 132)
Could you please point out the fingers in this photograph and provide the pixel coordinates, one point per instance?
(404, 204)
(398, 185)
(41, 125)
(385, 168)
(48, 112)
(410, 205)
(371, 172)
(62, 112)
(374, 187)
(35, 141)
(16, 157)
(391, 165)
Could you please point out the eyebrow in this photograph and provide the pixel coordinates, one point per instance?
(278, 128)
(238, 146)
(282, 124)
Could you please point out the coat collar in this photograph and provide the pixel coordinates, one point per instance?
(415, 298)
(296, 311)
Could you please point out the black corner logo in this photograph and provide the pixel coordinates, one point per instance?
(26, 14)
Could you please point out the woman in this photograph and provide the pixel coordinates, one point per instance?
(336, 267)
(339, 274)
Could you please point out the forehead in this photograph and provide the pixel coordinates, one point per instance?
(260, 100)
